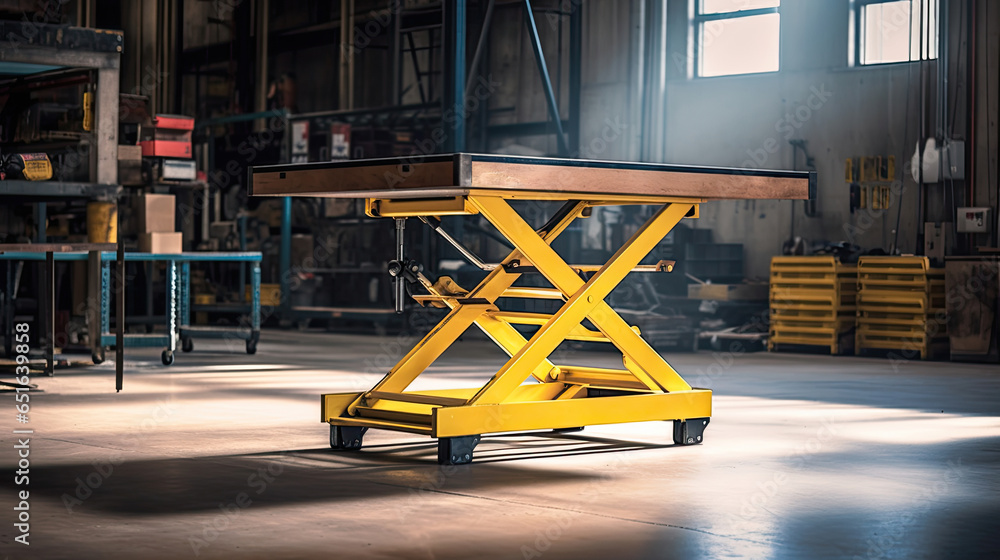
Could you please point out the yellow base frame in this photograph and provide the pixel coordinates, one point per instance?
(557, 396)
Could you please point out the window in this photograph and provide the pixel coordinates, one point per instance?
(887, 31)
(735, 36)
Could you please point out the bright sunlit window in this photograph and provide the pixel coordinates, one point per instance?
(889, 31)
(735, 36)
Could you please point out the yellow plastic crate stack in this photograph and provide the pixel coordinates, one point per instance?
(901, 306)
(812, 302)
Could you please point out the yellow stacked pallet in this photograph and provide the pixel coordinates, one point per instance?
(901, 306)
(812, 301)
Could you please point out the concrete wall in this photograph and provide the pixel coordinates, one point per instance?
(747, 121)
(841, 111)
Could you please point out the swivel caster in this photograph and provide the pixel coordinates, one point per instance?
(98, 356)
(690, 431)
(187, 344)
(346, 437)
(456, 450)
(167, 357)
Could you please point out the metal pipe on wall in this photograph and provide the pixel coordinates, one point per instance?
(970, 22)
(262, 30)
(637, 77)
(575, 75)
(346, 98)
(922, 136)
(453, 62)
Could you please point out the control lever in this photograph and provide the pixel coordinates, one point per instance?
(396, 267)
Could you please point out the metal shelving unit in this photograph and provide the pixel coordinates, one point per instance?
(52, 47)
(428, 45)
(58, 189)
(55, 48)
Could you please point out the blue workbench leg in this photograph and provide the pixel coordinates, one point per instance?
(241, 221)
(172, 288)
(94, 301)
(104, 328)
(50, 313)
(254, 309)
(148, 268)
(8, 311)
(185, 297)
(185, 305)
(285, 259)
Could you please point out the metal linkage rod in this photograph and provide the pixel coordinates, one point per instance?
(435, 224)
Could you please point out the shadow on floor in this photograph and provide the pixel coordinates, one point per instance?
(280, 478)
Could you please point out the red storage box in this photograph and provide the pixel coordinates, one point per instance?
(166, 148)
(168, 136)
(174, 122)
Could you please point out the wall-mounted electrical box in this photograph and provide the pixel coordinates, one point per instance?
(973, 220)
(953, 160)
(937, 241)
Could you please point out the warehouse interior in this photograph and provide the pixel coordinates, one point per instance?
(500, 278)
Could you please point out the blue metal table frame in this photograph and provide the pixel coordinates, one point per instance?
(50, 253)
(247, 332)
(178, 306)
(169, 338)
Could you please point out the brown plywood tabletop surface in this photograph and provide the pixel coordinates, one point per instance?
(461, 174)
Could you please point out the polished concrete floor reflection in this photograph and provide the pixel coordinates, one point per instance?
(221, 455)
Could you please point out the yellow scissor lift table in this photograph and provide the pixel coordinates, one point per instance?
(529, 392)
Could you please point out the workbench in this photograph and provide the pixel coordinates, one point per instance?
(529, 392)
(249, 331)
(49, 253)
(177, 306)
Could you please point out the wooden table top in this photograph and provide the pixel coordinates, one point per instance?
(449, 175)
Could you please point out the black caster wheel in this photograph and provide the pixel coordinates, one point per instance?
(187, 344)
(167, 357)
(346, 437)
(98, 356)
(456, 450)
(690, 431)
(251, 347)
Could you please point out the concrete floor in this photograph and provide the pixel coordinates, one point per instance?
(221, 455)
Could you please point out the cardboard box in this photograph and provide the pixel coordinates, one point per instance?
(155, 213)
(163, 242)
(130, 165)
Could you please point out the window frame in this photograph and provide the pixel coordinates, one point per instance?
(857, 33)
(697, 20)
